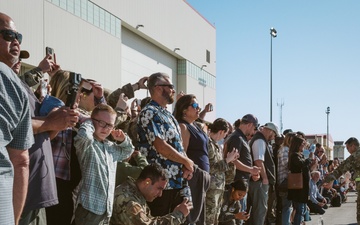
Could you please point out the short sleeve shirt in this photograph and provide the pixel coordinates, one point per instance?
(259, 149)
(15, 121)
(156, 121)
(15, 132)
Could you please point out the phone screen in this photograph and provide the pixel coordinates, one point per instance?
(249, 212)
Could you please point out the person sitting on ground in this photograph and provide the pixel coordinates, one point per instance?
(317, 202)
(98, 159)
(231, 207)
(130, 205)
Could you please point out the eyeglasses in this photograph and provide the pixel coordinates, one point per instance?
(10, 35)
(171, 86)
(103, 124)
(195, 105)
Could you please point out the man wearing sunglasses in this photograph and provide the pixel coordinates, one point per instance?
(160, 139)
(37, 170)
(16, 134)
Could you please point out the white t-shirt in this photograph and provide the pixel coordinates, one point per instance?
(259, 149)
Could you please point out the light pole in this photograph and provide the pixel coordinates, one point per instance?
(273, 34)
(327, 127)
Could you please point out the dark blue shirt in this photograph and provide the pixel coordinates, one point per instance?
(197, 149)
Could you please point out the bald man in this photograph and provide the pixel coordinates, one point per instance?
(16, 134)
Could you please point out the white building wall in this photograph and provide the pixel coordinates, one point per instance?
(115, 60)
(141, 58)
(171, 23)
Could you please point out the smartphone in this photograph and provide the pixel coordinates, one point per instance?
(249, 212)
(51, 52)
(43, 88)
(211, 108)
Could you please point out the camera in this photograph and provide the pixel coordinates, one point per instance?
(74, 80)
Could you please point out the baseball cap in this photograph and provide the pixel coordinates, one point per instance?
(287, 131)
(24, 54)
(250, 118)
(273, 127)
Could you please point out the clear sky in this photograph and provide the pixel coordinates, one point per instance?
(316, 62)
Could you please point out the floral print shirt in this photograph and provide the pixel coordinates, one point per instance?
(156, 121)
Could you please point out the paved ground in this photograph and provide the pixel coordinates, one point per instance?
(343, 215)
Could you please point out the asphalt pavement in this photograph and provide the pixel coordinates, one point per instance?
(343, 215)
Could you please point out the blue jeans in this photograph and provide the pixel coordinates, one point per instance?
(286, 208)
(257, 198)
(299, 213)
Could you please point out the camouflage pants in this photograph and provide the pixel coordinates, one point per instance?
(213, 205)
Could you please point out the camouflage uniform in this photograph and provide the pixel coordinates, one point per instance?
(229, 208)
(130, 208)
(113, 98)
(352, 163)
(214, 195)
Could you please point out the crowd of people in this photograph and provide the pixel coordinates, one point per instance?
(106, 157)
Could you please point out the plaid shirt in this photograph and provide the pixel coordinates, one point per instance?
(61, 149)
(98, 161)
(283, 159)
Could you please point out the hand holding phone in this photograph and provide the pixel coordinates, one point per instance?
(249, 212)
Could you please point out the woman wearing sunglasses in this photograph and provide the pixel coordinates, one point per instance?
(195, 142)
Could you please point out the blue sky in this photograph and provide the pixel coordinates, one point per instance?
(316, 62)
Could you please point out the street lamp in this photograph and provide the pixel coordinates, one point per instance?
(327, 130)
(273, 34)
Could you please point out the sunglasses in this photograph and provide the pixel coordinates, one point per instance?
(103, 124)
(195, 105)
(171, 86)
(10, 35)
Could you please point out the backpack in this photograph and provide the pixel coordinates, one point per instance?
(336, 200)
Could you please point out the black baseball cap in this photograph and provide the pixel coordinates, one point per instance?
(250, 118)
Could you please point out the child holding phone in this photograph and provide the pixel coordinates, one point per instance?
(231, 208)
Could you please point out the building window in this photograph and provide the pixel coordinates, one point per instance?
(96, 16)
(84, 9)
(63, 4)
(77, 8)
(70, 6)
(92, 13)
(207, 56)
